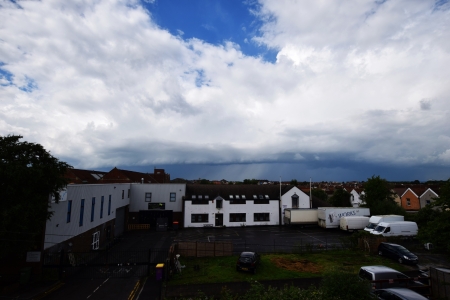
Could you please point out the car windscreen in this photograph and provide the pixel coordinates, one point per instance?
(379, 228)
(371, 226)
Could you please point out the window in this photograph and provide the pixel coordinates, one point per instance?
(101, 206)
(261, 197)
(255, 197)
(69, 210)
(92, 209)
(148, 197)
(95, 240)
(128, 193)
(294, 199)
(408, 202)
(237, 217)
(81, 212)
(231, 196)
(242, 196)
(194, 197)
(428, 201)
(109, 205)
(123, 194)
(173, 197)
(261, 217)
(207, 197)
(199, 218)
(219, 203)
(260, 201)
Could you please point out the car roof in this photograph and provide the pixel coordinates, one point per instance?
(247, 253)
(378, 269)
(404, 292)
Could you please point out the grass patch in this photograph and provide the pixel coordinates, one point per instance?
(276, 266)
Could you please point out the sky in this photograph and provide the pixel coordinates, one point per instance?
(332, 90)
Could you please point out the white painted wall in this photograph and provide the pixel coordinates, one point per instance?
(160, 194)
(286, 200)
(58, 230)
(355, 198)
(249, 209)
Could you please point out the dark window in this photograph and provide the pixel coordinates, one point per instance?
(128, 193)
(173, 197)
(93, 209)
(408, 202)
(259, 201)
(81, 212)
(148, 197)
(237, 217)
(69, 210)
(123, 194)
(101, 206)
(219, 203)
(294, 201)
(109, 205)
(261, 217)
(199, 218)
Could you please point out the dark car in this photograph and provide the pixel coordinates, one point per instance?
(398, 294)
(248, 261)
(397, 252)
(382, 277)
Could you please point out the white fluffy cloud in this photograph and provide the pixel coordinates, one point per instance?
(100, 84)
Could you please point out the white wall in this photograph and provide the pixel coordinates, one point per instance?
(356, 200)
(249, 209)
(160, 194)
(58, 230)
(286, 200)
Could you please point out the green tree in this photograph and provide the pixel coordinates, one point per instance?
(379, 197)
(340, 198)
(434, 220)
(29, 175)
(319, 193)
(294, 182)
(250, 181)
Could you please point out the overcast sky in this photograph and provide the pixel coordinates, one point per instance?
(333, 90)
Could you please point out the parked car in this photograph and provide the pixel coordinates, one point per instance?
(398, 293)
(385, 277)
(248, 261)
(397, 252)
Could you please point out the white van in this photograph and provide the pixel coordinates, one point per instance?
(404, 228)
(353, 223)
(375, 220)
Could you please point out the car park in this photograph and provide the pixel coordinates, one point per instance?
(398, 294)
(397, 252)
(248, 261)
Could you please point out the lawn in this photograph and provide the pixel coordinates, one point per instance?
(276, 266)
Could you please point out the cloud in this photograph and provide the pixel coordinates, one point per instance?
(101, 84)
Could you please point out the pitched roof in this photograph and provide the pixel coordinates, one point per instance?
(79, 176)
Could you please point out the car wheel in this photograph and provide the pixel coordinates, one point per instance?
(380, 253)
(400, 260)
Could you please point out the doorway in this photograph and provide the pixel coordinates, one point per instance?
(219, 220)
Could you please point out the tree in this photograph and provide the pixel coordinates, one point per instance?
(340, 198)
(434, 220)
(294, 182)
(379, 197)
(29, 175)
(319, 193)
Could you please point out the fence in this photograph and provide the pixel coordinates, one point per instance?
(101, 264)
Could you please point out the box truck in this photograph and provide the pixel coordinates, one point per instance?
(329, 217)
(375, 220)
(300, 216)
(404, 228)
(353, 223)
